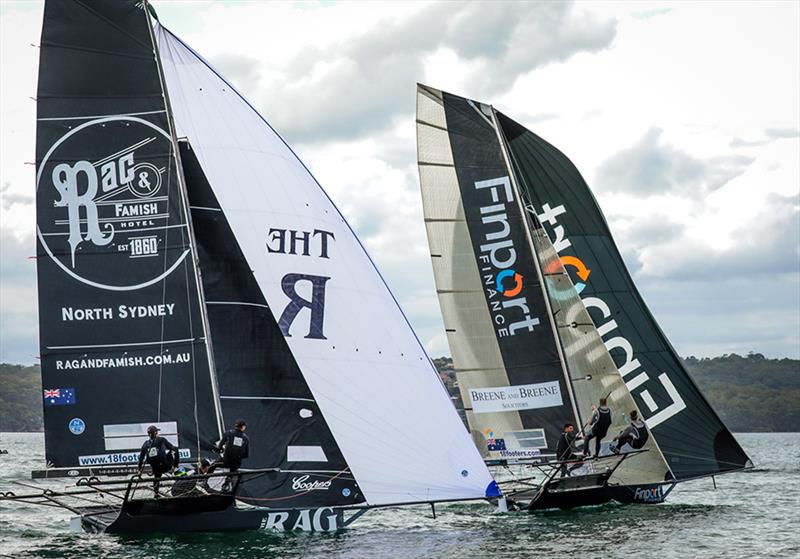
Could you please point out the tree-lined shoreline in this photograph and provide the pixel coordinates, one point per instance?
(751, 393)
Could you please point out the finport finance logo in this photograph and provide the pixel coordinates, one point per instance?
(104, 200)
(497, 258)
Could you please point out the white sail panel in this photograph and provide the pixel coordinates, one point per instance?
(376, 388)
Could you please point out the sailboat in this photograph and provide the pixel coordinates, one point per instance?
(191, 271)
(543, 318)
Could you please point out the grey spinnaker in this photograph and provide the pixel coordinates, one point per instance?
(689, 432)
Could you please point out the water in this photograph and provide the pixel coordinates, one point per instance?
(751, 514)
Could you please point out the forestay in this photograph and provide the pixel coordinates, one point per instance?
(368, 374)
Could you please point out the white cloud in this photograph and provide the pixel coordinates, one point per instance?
(337, 80)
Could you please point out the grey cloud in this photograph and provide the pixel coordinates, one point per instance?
(9, 200)
(19, 337)
(241, 71)
(778, 133)
(361, 85)
(652, 230)
(733, 314)
(766, 244)
(647, 14)
(771, 134)
(653, 167)
(741, 143)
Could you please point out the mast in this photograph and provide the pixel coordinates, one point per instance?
(190, 227)
(537, 264)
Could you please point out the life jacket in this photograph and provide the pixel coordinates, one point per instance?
(642, 434)
(155, 451)
(600, 428)
(235, 446)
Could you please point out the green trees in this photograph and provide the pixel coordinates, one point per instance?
(20, 398)
(750, 393)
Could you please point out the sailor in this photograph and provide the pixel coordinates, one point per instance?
(598, 426)
(234, 447)
(187, 485)
(161, 455)
(564, 450)
(635, 434)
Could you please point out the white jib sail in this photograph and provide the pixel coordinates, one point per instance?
(369, 374)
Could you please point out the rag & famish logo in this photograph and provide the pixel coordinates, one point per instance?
(497, 258)
(103, 191)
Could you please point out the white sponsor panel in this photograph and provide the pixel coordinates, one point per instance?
(305, 454)
(515, 398)
(121, 458)
(124, 436)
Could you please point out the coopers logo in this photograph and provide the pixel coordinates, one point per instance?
(302, 483)
(497, 258)
(104, 189)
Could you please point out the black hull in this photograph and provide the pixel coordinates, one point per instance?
(572, 492)
(641, 494)
(206, 515)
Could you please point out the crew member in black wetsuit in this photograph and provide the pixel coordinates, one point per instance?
(635, 434)
(161, 455)
(598, 427)
(564, 449)
(235, 447)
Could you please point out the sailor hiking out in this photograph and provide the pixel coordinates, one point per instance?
(635, 434)
(598, 425)
(161, 455)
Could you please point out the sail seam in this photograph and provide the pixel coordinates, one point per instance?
(122, 345)
(100, 116)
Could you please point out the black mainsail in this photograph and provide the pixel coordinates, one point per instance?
(123, 338)
(691, 435)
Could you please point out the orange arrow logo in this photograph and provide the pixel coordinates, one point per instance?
(582, 271)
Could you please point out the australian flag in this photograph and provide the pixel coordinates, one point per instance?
(59, 396)
(496, 444)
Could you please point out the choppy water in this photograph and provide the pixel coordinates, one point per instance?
(752, 514)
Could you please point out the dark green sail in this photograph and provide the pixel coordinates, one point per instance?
(690, 434)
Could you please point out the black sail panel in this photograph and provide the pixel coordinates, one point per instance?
(505, 259)
(259, 379)
(121, 327)
(690, 434)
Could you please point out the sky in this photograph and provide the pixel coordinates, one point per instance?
(683, 118)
